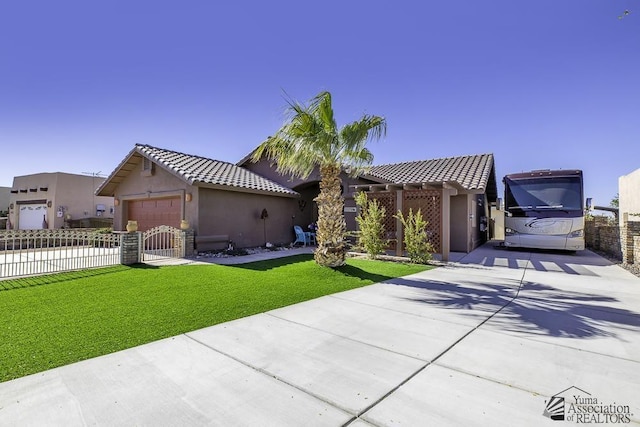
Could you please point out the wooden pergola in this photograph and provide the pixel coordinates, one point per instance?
(432, 197)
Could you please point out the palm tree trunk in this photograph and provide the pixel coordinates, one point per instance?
(331, 251)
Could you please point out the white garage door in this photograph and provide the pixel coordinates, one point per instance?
(32, 217)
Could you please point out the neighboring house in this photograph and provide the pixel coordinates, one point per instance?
(629, 195)
(5, 195)
(52, 200)
(222, 202)
(454, 194)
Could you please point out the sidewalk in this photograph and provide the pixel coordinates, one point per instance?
(487, 340)
(234, 260)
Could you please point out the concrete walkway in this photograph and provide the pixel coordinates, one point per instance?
(487, 340)
(235, 260)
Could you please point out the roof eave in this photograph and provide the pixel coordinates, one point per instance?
(292, 195)
(409, 186)
(102, 189)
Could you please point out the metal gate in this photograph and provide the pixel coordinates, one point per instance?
(31, 252)
(161, 242)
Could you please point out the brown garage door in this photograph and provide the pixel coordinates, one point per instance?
(153, 212)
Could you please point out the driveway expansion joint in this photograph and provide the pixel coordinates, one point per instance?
(271, 375)
(449, 348)
(346, 337)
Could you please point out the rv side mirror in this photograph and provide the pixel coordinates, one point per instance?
(589, 203)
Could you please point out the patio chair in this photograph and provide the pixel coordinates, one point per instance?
(304, 237)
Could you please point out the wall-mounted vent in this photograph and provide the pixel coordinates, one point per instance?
(147, 167)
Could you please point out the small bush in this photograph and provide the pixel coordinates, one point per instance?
(371, 223)
(416, 239)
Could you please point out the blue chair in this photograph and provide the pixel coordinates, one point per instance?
(306, 238)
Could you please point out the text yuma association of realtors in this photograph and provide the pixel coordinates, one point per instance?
(589, 410)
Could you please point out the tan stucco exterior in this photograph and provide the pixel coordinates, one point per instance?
(5, 199)
(66, 196)
(629, 195)
(497, 218)
(238, 216)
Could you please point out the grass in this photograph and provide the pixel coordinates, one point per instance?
(59, 319)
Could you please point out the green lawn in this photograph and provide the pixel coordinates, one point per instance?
(55, 320)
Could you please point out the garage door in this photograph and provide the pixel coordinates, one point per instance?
(153, 212)
(32, 217)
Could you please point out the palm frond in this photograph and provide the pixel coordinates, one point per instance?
(310, 138)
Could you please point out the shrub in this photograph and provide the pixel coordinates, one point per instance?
(416, 239)
(371, 223)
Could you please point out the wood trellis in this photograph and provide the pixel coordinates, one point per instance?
(430, 204)
(388, 200)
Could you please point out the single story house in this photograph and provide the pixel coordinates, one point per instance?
(250, 203)
(52, 200)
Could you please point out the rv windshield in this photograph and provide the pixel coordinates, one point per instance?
(544, 194)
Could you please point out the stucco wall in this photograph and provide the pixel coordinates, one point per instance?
(5, 197)
(467, 212)
(482, 220)
(458, 223)
(75, 196)
(497, 219)
(69, 194)
(238, 215)
(629, 194)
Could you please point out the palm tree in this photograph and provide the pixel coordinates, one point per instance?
(310, 139)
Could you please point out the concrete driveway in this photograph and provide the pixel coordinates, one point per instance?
(497, 338)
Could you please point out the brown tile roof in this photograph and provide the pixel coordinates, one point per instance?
(470, 172)
(199, 171)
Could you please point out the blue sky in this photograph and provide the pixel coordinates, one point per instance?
(541, 84)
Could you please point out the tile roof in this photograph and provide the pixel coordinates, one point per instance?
(195, 170)
(201, 170)
(470, 172)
